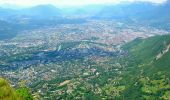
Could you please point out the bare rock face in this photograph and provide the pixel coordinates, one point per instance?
(163, 52)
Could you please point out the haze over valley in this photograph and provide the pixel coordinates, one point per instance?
(104, 50)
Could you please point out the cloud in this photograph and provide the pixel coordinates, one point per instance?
(153, 1)
(70, 2)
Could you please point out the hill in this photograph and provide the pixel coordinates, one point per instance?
(149, 68)
(8, 93)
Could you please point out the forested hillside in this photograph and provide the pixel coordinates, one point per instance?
(150, 69)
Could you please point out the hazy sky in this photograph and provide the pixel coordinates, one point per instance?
(69, 2)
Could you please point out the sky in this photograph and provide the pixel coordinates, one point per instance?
(70, 2)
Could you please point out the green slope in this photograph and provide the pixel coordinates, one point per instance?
(146, 51)
(8, 93)
(149, 76)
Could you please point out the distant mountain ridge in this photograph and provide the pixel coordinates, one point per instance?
(43, 11)
(40, 11)
(143, 13)
(137, 10)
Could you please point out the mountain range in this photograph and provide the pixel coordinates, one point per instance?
(139, 12)
(134, 10)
